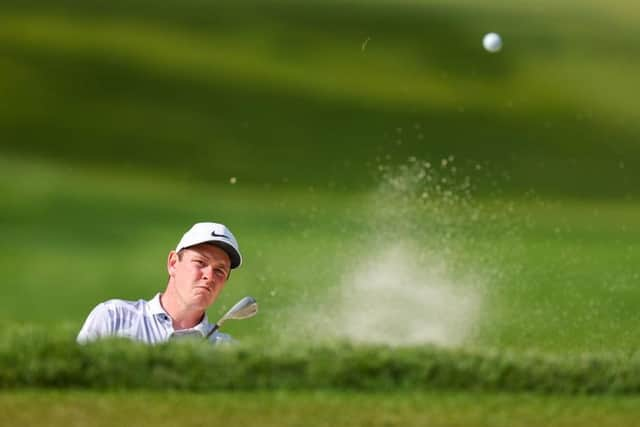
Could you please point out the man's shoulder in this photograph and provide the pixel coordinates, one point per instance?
(117, 304)
(112, 317)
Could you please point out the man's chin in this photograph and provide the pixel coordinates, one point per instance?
(202, 298)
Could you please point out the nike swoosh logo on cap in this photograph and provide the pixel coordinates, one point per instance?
(214, 234)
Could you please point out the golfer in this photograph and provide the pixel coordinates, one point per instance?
(198, 269)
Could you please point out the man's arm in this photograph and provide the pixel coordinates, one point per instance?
(97, 325)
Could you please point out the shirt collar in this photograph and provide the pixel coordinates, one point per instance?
(155, 308)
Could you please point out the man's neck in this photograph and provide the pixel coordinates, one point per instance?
(181, 316)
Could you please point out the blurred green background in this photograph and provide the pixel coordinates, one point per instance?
(121, 123)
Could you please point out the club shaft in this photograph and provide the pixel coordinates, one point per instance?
(215, 328)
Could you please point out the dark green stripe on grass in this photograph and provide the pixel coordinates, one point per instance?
(35, 358)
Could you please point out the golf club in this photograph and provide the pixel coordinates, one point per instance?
(245, 308)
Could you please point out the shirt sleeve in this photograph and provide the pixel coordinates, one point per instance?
(97, 325)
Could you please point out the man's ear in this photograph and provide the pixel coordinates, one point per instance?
(172, 260)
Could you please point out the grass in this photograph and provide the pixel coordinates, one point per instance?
(287, 93)
(71, 408)
(122, 123)
(552, 275)
(49, 358)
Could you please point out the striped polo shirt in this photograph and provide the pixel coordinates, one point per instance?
(140, 320)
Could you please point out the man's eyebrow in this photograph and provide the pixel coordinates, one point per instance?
(217, 262)
(223, 263)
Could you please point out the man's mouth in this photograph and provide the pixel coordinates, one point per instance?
(207, 288)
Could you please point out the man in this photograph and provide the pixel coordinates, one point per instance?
(198, 269)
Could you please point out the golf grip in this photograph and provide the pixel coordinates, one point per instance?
(215, 328)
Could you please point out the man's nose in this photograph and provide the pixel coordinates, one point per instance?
(207, 273)
(208, 276)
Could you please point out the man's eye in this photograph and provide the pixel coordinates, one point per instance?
(221, 272)
(199, 262)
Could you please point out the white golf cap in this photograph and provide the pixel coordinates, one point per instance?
(215, 234)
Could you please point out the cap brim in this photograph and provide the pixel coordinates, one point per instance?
(234, 255)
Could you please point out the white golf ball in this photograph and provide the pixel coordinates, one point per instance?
(492, 42)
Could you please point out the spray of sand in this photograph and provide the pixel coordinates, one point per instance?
(418, 271)
(397, 297)
(408, 284)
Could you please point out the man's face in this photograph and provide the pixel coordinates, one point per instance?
(199, 273)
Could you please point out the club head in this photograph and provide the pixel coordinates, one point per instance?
(245, 308)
